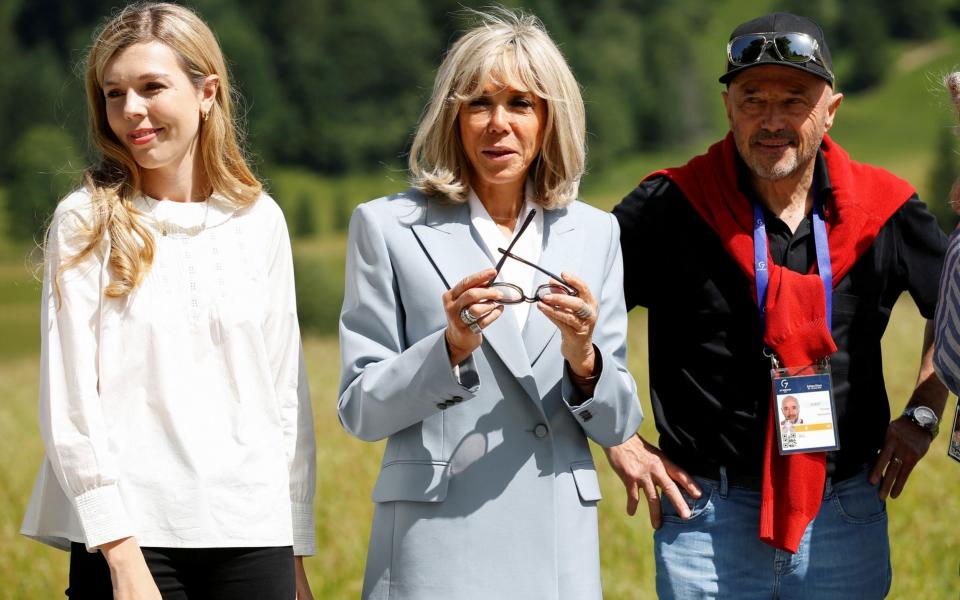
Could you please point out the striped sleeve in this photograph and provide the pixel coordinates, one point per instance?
(946, 357)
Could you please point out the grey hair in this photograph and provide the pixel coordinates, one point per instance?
(508, 48)
(952, 81)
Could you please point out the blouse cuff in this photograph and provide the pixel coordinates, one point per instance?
(102, 516)
(304, 532)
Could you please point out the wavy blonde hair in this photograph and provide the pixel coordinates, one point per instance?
(508, 48)
(115, 180)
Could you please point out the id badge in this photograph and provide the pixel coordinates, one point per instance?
(953, 447)
(803, 403)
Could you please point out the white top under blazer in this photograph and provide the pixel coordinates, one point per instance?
(180, 414)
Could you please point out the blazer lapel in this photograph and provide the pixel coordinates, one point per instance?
(446, 238)
(562, 249)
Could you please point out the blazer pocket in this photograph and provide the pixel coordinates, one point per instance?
(585, 476)
(412, 481)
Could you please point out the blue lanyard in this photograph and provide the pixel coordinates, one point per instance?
(760, 259)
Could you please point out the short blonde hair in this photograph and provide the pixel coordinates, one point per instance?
(114, 180)
(508, 48)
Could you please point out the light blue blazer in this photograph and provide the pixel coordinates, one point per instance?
(487, 488)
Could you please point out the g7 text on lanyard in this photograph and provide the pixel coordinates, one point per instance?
(802, 395)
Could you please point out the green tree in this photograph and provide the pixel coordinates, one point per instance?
(915, 19)
(341, 212)
(319, 296)
(304, 220)
(46, 168)
(271, 123)
(674, 102)
(863, 25)
(359, 78)
(943, 175)
(608, 62)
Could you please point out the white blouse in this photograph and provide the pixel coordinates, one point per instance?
(179, 415)
(528, 247)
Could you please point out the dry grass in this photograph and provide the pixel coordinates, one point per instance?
(925, 542)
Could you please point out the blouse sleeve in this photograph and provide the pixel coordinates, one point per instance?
(285, 351)
(71, 418)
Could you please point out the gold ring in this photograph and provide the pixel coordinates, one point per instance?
(896, 460)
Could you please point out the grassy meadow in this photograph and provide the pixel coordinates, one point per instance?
(894, 127)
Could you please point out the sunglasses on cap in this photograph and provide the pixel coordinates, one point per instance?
(791, 47)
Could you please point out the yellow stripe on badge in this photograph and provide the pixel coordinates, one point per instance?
(813, 427)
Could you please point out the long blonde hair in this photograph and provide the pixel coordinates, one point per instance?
(114, 181)
(507, 48)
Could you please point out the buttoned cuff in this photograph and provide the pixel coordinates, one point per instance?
(102, 516)
(304, 532)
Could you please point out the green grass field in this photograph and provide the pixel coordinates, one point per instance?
(925, 540)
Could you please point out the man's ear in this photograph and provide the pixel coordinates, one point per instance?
(832, 107)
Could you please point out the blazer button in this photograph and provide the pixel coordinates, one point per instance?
(456, 399)
(586, 416)
(540, 430)
(442, 405)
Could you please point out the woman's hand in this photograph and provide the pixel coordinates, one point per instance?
(128, 571)
(303, 586)
(575, 316)
(469, 300)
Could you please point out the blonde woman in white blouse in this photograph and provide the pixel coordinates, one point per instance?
(173, 405)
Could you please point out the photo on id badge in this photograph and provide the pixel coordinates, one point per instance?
(805, 412)
(953, 448)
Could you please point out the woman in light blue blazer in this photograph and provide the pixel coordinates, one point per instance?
(485, 372)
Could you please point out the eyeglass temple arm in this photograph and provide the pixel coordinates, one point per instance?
(523, 228)
(507, 253)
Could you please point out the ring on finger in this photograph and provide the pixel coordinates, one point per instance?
(467, 317)
(584, 312)
(475, 327)
(897, 460)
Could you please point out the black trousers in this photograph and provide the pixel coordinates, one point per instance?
(193, 573)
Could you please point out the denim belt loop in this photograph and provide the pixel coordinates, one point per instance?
(724, 482)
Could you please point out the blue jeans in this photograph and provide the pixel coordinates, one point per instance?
(716, 553)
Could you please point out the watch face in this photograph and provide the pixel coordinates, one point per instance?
(925, 416)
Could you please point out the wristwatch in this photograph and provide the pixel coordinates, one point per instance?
(924, 417)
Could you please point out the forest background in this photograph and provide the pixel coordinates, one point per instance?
(331, 93)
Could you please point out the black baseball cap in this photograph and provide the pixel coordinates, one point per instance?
(779, 23)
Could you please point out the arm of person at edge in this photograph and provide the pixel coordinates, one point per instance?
(905, 440)
(641, 466)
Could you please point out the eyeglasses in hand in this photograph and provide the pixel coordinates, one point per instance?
(512, 293)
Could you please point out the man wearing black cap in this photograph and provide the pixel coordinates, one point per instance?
(777, 216)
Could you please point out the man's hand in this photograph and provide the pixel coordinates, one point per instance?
(906, 443)
(641, 465)
(903, 447)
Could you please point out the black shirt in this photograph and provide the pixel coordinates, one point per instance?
(709, 379)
